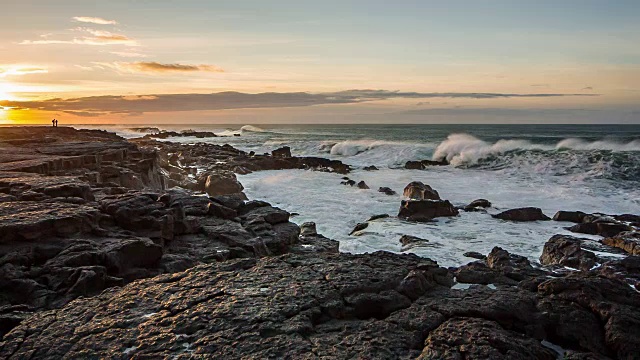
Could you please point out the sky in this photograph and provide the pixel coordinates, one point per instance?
(348, 61)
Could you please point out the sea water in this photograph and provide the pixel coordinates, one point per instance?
(591, 168)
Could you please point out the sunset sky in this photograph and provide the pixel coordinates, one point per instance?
(319, 61)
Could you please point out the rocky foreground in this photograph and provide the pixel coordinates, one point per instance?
(99, 260)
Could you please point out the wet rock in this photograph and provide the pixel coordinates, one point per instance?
(222, 183)
(416, 190)
(408, 242)
(359, 227)
(474, 255)
(605, 229)
(348, 182)
(477, 204)
(566, 251)
(522, 214)
(363, 185)
(370, 168)
(570, 216)
(423, 164)
(425, 210)
(284, 152)
(387, 191)
(379, 216)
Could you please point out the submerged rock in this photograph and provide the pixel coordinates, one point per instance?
(423, 164)
(370, 168)
(522, 214)
(408, 242)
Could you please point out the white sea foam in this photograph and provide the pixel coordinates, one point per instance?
(336, 208)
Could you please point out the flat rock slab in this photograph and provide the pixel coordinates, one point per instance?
(30, 220)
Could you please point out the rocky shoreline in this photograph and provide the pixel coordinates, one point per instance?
(99, 260)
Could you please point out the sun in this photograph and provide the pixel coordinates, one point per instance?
(5, 91)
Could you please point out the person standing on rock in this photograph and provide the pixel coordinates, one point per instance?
(56, 122)
(53, 122)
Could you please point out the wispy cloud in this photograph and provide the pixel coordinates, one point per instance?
(20, 70)
(234, 100)
(129, 54)
(94, 20)
(587, 88)
(155, 67)
(96, 37)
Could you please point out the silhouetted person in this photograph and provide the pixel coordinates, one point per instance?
(53, 122)
(56, 122)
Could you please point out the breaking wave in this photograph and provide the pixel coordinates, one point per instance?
(596, 159)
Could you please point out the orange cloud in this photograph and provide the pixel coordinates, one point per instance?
(155, 67)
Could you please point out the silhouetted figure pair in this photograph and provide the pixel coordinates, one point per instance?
(54, 122)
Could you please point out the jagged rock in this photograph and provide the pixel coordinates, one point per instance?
(387, 191)
(363, 185)
(570, 216)
(522, 214)
(627, 241)
(348, 182)
(284, 152)
(359, 227)
(370, 168)
(471, 338)
(418, 191)
(566, 251)
(222, 183)
(425, 210)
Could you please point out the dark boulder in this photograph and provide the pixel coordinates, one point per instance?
(566, 251)
(522, 214)
(605, 229)
(476, 204)
(387, 191)
(222, 183)
(570, 216)
(283, 152)
(363, 185)
(423, 164)
(425, 210)
(370, 168)
(416, 190)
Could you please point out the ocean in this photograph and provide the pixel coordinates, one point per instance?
(591, 168)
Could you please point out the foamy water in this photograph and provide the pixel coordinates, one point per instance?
(336, 208)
